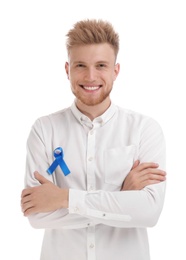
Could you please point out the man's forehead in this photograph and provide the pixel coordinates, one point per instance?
(95, 53)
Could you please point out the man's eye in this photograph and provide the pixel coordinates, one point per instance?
(101, 65)
(80, 65)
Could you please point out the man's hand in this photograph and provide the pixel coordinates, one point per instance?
(142, 175)
(43, 198)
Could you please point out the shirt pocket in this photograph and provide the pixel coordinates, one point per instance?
(118, 163)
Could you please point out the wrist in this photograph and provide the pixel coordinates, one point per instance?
(65, 198)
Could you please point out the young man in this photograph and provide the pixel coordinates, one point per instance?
(106, 186)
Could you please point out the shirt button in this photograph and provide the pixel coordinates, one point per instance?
(90, 159)
(91, 246)
(90, 188)
(76, 209)
(91, 132)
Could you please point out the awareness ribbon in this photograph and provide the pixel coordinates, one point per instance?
(58, 154)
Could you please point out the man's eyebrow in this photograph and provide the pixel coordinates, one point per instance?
(77, 62)
(97, 62)
(102, 61)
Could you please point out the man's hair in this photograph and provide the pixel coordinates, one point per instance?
(92, 32)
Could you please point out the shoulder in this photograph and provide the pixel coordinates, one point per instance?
(138, 119)
(52, 120)
(55, 116)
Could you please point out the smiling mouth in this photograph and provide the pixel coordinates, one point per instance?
(91, 88)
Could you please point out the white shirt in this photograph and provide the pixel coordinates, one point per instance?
(101, 222)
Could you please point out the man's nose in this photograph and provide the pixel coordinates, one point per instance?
(91, 74)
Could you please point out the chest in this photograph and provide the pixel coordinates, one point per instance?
(98, 158)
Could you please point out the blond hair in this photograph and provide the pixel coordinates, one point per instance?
(92, 32)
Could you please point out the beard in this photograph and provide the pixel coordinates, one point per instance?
(91, 100)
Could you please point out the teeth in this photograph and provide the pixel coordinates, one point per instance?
(90, 88)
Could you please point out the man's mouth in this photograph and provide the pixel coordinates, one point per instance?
(90, 88)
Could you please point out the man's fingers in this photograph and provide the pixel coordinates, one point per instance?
(40, 177)
(26, 192)
(136, 163)
(26, 206)
(152, 171)
(142, 175)
(25, 199)
(144, 166)
(153, 175)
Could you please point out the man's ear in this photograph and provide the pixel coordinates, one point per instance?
(67, 69)
(116, 70)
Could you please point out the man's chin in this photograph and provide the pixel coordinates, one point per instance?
(93, 102)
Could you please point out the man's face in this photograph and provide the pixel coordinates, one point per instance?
(91, 70)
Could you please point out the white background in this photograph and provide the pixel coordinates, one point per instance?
(33, 83)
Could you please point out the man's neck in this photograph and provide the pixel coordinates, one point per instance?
(93, 111)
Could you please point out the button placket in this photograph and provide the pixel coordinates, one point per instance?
(90, 187)
(90, 160)
(91, 243)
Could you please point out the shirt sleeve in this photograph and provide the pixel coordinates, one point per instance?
(37, 160)
(139, 208)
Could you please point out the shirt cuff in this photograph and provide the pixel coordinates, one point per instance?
(77, 202)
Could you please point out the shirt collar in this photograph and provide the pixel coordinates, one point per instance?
(100, 120)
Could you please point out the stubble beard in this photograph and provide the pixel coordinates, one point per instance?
(92, 101)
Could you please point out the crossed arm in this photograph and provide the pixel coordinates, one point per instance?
(49, 197)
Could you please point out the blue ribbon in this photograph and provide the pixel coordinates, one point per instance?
(58, 154)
